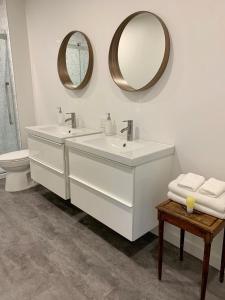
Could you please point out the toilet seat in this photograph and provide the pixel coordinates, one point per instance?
(21, 155)
(16, 164)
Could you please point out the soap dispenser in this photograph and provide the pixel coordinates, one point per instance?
(108, 126)
(60, 116)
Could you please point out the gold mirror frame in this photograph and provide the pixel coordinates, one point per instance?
(113, 55)
(62, 68)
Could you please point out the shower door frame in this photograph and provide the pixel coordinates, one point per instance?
(12, 84)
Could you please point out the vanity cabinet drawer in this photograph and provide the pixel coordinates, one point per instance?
(47, 177)
(46, 152)
(112, 179)
(111, 213)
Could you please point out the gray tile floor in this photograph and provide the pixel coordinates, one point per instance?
(51, 250)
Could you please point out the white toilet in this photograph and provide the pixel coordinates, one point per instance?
(17, 167)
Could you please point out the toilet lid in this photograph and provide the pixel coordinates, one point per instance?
(16, 155)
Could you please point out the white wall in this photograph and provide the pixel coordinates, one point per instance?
(186, 107)
(21, 65)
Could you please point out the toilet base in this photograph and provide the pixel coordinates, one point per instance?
(18, 181)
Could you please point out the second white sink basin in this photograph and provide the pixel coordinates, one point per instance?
(58, 133)
(114, 144)
(115, 148)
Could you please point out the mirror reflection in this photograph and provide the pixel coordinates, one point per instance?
(139, 51)
(77, 58)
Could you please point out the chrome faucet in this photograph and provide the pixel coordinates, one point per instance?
(72, 119)
(129, 130)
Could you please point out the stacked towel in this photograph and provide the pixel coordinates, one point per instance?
(199, 207)
(205, 195)
(213, 188)
(190, 181)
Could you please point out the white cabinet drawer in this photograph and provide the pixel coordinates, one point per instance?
(111, 213)
(47, 152)
(49, 178)
(112, 179)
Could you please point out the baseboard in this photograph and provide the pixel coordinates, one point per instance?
(194, 245)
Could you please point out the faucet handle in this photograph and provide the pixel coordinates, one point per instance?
(129, 129)
(72, 119)
(129, 121)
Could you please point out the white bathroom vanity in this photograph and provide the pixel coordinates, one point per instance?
(118, 182)
(48, 157)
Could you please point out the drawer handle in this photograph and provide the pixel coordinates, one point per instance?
(46, 165)
(125, 203)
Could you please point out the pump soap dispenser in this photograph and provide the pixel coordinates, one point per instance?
(60, 116)
(108, 126)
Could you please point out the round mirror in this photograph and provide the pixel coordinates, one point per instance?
(75, 60)
(139, 51)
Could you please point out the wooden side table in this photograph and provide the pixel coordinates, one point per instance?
(200, 224)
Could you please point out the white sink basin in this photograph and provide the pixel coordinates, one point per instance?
(114, 144)
(58, 133)
(117, 149)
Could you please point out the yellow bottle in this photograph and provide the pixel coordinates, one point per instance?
(190, 202)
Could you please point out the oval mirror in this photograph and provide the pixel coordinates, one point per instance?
(75, 60)
(139, 51)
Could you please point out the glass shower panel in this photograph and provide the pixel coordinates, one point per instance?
(8, 127)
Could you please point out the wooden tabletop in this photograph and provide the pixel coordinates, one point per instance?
(199, 219)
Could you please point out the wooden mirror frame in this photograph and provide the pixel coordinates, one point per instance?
(62, 67)
(113, 55)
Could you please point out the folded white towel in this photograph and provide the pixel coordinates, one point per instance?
(212, 188)
(191, 181)
(198, 207)
(217, 204)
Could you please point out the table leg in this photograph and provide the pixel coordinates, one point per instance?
(205, 268)
(222, 260)
(182, 235)
(160, 258)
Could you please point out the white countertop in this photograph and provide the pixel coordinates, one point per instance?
(118, 149)
(58, 134)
